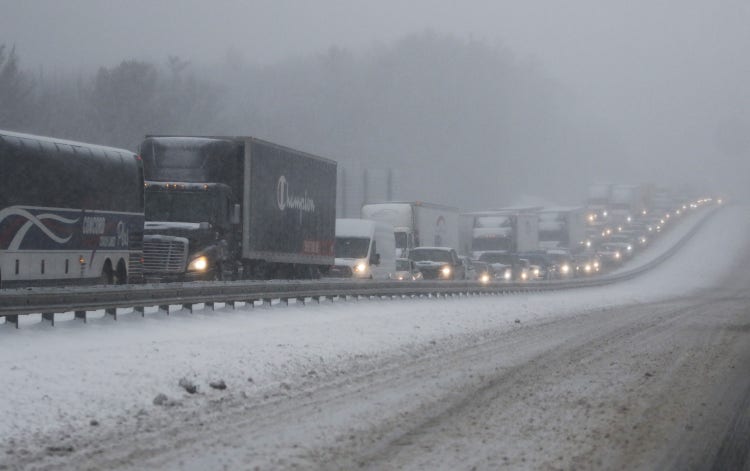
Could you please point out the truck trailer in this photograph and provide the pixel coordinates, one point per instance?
(511, 230)
(627, 202)
(562, 228)
(416, 224)
(236, 207)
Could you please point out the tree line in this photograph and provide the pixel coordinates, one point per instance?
(464, 122)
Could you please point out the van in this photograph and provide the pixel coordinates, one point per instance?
(364, 249)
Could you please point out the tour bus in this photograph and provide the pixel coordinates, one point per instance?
(70, 213)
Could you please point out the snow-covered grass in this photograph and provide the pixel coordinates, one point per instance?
(62, 377)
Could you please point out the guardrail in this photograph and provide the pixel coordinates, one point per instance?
(51, 301)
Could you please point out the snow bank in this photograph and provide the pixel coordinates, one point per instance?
(57, 379)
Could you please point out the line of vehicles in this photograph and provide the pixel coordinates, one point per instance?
(189, 208)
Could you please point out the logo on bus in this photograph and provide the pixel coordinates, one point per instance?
(285, 199)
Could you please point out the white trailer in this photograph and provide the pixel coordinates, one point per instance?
(511, 229)
(562, 227)
(417, 224)
(627, 202)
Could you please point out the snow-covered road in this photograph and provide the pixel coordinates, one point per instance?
(633, 375)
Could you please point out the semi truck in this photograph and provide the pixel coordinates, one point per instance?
(223, 208)
(597, 202)
(627, 202)
(562, 228)
(512, 230)
(416, 224)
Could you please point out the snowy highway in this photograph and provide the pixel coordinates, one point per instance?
(648, 374)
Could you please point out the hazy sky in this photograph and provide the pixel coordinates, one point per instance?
(662, 73)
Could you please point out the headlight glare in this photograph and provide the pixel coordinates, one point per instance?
(199, 264)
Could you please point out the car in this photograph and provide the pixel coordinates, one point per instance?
(564, 263)
(507, 266)
(586, 263)
(625, 245)
(610, 254)
(406, 270)
(438, 263)
(484, 271)
(542, 265)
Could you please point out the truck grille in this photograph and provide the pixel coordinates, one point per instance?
(164, 254)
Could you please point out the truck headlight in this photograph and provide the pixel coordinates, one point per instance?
(565, 269)
(446, 271)
(508, 274)
(484, 279)
(617, 255)
(198, 264)
(360, 268)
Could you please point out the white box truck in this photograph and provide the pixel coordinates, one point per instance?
(416, 224)
(562, 227)
(511, 230)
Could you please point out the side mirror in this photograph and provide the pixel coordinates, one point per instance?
(236, 214)
(375, 259)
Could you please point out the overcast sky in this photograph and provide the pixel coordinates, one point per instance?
(663, 73)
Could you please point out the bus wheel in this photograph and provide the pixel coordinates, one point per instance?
(107, 277)
(120, 276)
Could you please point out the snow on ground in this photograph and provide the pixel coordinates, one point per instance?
(61, 378)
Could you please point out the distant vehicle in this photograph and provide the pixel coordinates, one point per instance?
(416, 224)
(563, 227)
(484, 272)
(626, 249)
(563, 262)
(543, 266)
(441, 263)
(632, 240)
(236, 207)
(511, 230)
(627, 203)
(406, 270)
(364, 249)
(586, 263)
(507, 266)
(597, 202)
(610, 254)
(471, 273)
(70, 212)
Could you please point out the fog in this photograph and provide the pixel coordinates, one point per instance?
(477, 104)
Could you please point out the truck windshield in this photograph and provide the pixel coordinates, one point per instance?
(480, 244)
(401, 240)
(351, 247)
(179, 206)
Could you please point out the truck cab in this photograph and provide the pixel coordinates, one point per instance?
(191, 230)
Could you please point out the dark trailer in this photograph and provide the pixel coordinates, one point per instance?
(69, 212)
(236, 207)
